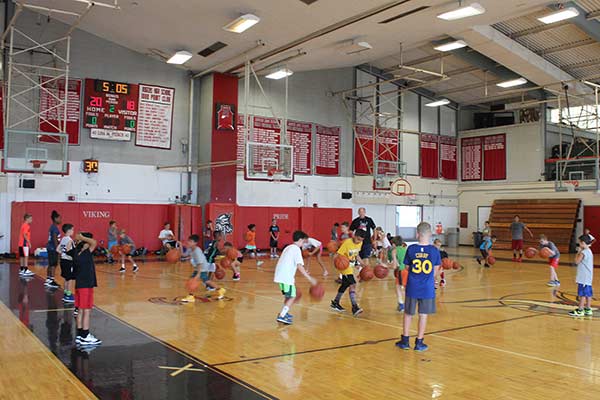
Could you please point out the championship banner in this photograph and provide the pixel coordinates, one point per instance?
(327, 157)
(471, 159)
(363, 150)
(155, 116)
(448, 160)
(387, 149)
(52, 113)
(429, 156)
(241, 143)
(300, 137)
(494, 157)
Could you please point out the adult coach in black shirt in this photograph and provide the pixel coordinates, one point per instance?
(365, 223)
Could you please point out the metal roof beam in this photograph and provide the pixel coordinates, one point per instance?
(589, 26)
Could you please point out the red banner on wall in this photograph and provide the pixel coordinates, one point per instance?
(241, 143)
(387, 148)
(471, 159)
(429, 156)
(494, 157)
(52, 113)
(448, 157)
(327, 157)
(300, 137)
(363, 150)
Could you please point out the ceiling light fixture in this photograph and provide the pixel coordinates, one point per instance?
(457, 44)
(280, 73)
(242, 23)
(512, 83)
(356, 47)
(463, 12)
(438, 103)
(180, 57)
(559, 15)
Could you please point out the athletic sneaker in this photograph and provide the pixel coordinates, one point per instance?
(51, 284)
(443, 283)
(135, 268)
(284, 320)
(75, 312)
(478, 260)
(420, 346)
(514, 259)
(90, 340)
(486, 265)
(588, 312)
(336, 306)
(577, 313)
(210, 288)
(551, 283)
(236, 277)
(26, 272)
(356, 310)
(68, 298)
(221, 293)
(400, 307)
(403, 343)
(556, 283)
(259, 263)
(122, 269)
(189, 299)
(519, 260)
(290, 316)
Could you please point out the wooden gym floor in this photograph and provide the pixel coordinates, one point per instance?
(498, 334)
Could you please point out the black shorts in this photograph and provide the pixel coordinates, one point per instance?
(366, 250)
(484, 253)
(52, 258)
(67, 269)
(172, 243)
(348, 280)
(22, 252)
(240, 259)
(273, 243)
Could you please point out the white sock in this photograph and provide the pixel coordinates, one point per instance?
(284, 311)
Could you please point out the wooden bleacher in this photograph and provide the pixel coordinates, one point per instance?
(554, 218)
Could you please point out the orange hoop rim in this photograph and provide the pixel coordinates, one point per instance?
(37, 163)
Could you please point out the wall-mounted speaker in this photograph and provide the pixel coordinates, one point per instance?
(346, 195)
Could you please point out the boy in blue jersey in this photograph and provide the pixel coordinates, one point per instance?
(423, 262)
(486, 248)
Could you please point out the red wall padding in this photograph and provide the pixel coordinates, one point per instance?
(143, 222)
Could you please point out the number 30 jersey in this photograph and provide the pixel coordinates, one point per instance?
(421, 261)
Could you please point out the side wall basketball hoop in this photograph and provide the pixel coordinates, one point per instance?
(38, 166)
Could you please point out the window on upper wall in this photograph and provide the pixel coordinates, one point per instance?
(388, 105)
(429, 117)
(410, 152)
(447, 121)
(583, 117)
(410, 111)
(364, 111)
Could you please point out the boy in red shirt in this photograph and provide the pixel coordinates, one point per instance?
(25, 245)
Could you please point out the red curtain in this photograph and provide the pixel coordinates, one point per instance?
(471, 159)
(494, 157)
(448, 157)
(429, 156)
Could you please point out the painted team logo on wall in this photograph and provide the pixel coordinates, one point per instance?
(223, 223)
(225, 117)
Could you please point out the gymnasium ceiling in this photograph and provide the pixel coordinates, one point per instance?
(163, 27)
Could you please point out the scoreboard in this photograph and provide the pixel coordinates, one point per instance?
(109, 105)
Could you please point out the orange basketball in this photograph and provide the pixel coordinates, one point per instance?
(491, 260)
(115, 250)
(341, 262)
(126, 249)
(298, 295)
(317, 292)
(231, 254)
(173, 256)
(225, 263)
(381, 272)
(305, 253)
(220, 273)
(366, 274)
(531, 252)
(455, 265)
(333, 246)
(545, 252)
(447, 263)
(192, 284)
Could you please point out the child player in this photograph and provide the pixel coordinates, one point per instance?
(334, 232)
(235, 264)
(397, 254)
(315, 248)
(210, 253)
(585, 274)
(351, 249)
(588, 236)
(201, 268)
(83, 256)
(443, 254)
(486, 249)
(52, 247)
(345, 228)
(113, 239)
(25, 245)
(552, 260)
(285, 272)
(125, 240)
(423, 261)
(67, 268)
(250, 237)
(273, 237)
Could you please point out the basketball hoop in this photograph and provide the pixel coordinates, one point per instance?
(38, 166)
(571, 185)
(274, 174)
(401, 187)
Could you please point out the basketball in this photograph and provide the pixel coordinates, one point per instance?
(341, 262)
(332, 246)
(225, 263)
(455, 265)
(447, 263)
(220, 273)
(298, 295)
(173, 256)
(381, 272)
(366, 274)
(545, 252)
(305, 253)
(531, 252)
(317, 291)
(491, 260)
(192, 284)
(115, 250)
(231, 254)
(126, 249)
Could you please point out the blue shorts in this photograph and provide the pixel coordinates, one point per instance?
(249, 247)
(111, 244)
(584, 290)
(204, 276)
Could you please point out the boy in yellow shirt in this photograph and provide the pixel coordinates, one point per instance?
(350, 248)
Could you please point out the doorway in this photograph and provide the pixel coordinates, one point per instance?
(407, 219)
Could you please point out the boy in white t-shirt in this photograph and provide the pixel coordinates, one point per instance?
(167, 237)
(585, 274)
(285, 272)
(314, 248)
